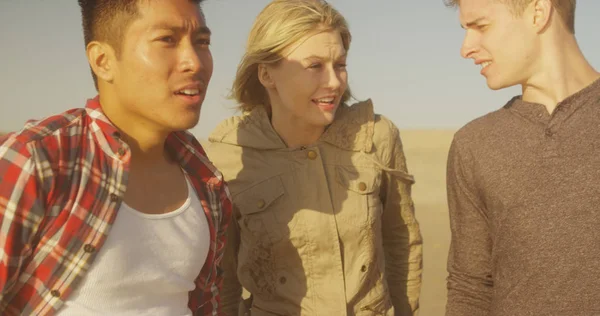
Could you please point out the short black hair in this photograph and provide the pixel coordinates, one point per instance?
(107, 20)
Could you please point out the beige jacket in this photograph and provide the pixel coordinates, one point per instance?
(324, 230)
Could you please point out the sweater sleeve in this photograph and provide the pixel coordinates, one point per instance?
(470, 281)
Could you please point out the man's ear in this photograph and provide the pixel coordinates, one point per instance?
(265, 76)
(542, 11)
(101, 58)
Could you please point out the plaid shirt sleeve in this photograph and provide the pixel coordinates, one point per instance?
(21, 211)
(213, 293)
(3, 138)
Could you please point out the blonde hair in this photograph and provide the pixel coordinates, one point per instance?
(565, 9)
(278, 26)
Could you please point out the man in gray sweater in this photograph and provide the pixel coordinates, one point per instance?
(524, 181)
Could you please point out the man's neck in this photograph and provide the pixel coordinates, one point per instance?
(562, 72)
(147, 144)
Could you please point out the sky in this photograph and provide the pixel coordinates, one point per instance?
(404, 56)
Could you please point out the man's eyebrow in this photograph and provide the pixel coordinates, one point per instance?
(474, 22)
(204, 30)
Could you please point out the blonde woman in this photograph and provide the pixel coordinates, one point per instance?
(323, 217)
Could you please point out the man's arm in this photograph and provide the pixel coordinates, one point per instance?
(21, 212)
(4, 138)
(470, 280)
(232, 289)
(212, 294)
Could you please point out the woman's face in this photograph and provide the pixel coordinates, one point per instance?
(307, 85)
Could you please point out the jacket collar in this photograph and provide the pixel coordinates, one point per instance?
(352, 129)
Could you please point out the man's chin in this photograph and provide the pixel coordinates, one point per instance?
(185, 123)
(495, 83)
(191, 125)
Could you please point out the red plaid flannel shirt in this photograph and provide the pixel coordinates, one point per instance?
(61, 183)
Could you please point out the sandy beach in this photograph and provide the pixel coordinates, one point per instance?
(426, 154)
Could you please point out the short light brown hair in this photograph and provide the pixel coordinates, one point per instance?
(565, 8)
(278, 26)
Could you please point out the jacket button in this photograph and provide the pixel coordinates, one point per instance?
(261, 204)
(89, 248)
(312, 155)
(114, 197)
(363, 268)
(55, 293)
(282, 280)
(362, 186)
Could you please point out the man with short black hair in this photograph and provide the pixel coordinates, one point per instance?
(114, 209)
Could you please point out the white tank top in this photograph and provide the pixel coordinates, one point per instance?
(147, 265)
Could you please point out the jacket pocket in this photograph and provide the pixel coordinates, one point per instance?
(258, 206)
(357, 197)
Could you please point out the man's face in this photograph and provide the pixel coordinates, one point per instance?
(503, 45)
(165, 65)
